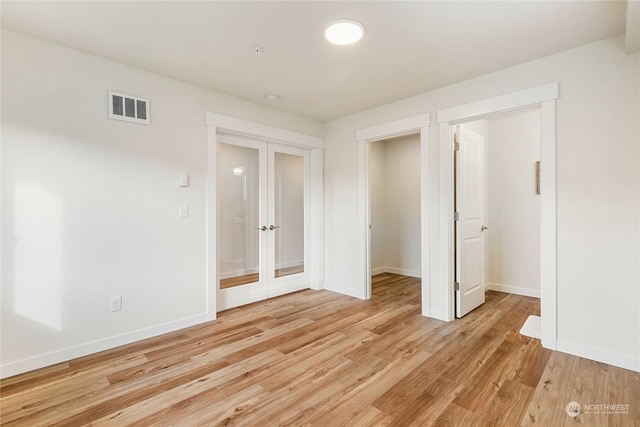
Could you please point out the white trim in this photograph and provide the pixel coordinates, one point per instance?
(400, 271)
(290, 264)
(442, 289)
(66, 354)
(257, 130)
(426, 237)
(364, 233)
(508, 102)
(378, 270)
(548, 226)
(212, 224)
(236, 273)
(317, 217)
(394, 129)
(419, 123)
(527, 292)
(599, 355)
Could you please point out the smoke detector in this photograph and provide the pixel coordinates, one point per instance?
(271, 98)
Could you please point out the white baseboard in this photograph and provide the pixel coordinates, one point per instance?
(247, 271)
(238, 273)
(59, 356)
(290, 264)
(378, 270)
(600, 355)
(527, 292)
(393, 270)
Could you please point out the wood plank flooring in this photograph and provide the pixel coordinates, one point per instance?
(316, 358)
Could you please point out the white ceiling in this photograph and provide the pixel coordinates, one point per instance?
(408, 48)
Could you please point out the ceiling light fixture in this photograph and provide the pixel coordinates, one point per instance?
(344, 32)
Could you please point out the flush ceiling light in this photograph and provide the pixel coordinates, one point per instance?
(344, 31)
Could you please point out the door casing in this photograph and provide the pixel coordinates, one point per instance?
(437, 204)
(542, 97)
(416, 124)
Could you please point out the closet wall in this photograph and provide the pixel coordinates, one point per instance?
(394, 183)
(513, 246)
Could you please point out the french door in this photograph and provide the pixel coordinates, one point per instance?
(263, 227)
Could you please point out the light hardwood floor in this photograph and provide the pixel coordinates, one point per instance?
(316, 358)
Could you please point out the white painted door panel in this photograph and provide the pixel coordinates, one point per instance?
(288, 200)
(470, 249)
(263, 204)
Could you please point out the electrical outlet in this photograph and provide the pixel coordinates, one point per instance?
(116, 303)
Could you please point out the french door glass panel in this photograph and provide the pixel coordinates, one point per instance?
(288, 214)
(263, 201)
(239, 211)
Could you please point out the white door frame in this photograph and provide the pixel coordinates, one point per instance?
(543, 97)
(219, 123)
(364, 136)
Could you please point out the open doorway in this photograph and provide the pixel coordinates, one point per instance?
(543, 97)
(497, 245)
(410, 125)
(394, 212)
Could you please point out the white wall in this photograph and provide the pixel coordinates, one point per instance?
(394, 176)
(90, 205)
(513, 256)
(598, 188)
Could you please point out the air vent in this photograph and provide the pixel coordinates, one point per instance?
(128, 108)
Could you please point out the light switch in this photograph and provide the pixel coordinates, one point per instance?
(183, 211)
(183, 180)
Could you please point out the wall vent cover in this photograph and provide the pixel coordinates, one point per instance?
(128, 108)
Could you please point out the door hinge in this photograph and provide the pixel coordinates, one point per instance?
(456, 216)
(456, 285)
(456, 143)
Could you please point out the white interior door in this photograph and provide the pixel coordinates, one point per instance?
(469, 200)
(263, 211)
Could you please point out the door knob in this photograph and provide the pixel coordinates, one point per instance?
(484, 228)
(263, 228)
(273, 227)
